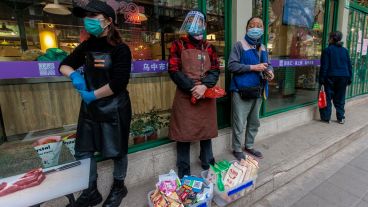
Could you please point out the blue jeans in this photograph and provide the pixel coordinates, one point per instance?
(335, 88)
(120, 165)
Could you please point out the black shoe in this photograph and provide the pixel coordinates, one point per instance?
(254, 153)
(206, 166)
(116, 195)
(239, 155)
(341, 121)
(89, 197)
(183, 169)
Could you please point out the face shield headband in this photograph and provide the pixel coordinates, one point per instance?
(194, 24)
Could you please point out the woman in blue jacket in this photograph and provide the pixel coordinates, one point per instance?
(249, 64)
(335, 75)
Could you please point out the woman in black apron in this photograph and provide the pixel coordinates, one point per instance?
(105, 114)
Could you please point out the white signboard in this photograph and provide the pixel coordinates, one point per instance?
(359, 46)
(365, 47)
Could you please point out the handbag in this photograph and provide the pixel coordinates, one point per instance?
(322, 100)
(249, 92)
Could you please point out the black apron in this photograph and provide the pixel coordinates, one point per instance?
(103, 125)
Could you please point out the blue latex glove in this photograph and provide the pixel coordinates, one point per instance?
(88, 96)
(78, 81)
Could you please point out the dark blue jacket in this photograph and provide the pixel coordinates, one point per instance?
(335, 61)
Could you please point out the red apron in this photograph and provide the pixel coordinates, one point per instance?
(193, 122)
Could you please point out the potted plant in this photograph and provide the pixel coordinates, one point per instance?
(154, 123)
(137, 130)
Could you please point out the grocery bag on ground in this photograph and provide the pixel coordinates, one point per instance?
(48, 148)
(190, 191)
(232, 180)
(69, 142)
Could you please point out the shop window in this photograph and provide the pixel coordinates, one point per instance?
(257, 8)
(357, 43)
(216, 32)
(294, 45)
(360, 2)
(32, 111)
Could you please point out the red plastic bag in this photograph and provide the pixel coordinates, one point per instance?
(322, 100)
(215, 92)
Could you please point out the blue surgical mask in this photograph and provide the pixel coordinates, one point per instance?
(255, 33)
(93, 26)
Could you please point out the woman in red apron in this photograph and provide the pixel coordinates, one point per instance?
(194, 67)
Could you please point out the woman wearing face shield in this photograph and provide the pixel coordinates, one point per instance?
(248, 62)
(105, 113)
(194, 67)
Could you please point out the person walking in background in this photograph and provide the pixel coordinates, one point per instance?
(248, 62)
(335, 75)
(194, 67)
(105, 112)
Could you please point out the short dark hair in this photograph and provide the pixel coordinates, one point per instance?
(336, 38)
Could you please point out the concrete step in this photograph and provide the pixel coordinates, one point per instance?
(287, 155)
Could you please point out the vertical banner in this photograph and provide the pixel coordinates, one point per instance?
(359, 45)
(365, 47)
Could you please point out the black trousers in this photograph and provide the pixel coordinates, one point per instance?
(335, 88)
(183, 156)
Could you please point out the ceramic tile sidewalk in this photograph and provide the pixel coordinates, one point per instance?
(348, 187)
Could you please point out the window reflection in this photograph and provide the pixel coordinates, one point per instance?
(294, 45)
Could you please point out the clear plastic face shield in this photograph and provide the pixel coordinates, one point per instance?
(194, 24)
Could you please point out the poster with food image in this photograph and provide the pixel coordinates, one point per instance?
(69, 142)
(48, 149)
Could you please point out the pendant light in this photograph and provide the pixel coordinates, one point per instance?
(56, 8)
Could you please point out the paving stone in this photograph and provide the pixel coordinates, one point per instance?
(352, 185)
(362, 204)
(352, 171)
(361, 162)
(312, 200)
(334, 194)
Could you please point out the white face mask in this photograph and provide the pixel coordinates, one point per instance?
(198, 37)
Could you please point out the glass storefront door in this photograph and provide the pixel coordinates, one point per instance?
(357, 43)
(295, 33)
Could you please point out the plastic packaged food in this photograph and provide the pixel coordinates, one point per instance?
(170, 176)
(168, 187)
(191, 191)
(69, 142)
(48, 148)
(239, 179)
(233, 176)
(194, 182)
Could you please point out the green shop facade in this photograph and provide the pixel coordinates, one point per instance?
(295, 34)
(295, 41)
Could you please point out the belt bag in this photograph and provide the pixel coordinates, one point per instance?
(250, 92)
